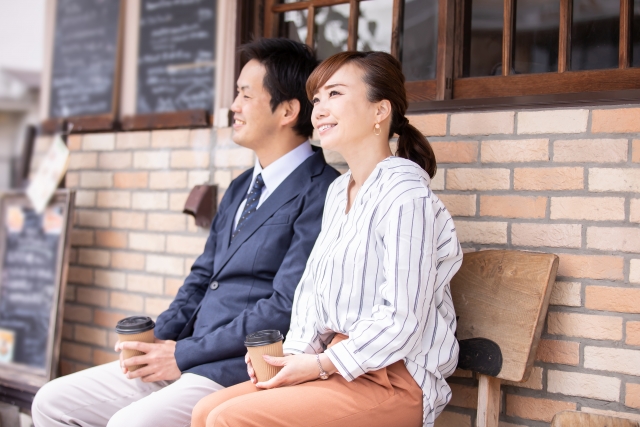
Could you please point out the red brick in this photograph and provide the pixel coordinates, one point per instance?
(623, 120)
(459, 204)
(94, 257)
(90, 335)
(185, 245)
(79, 161)
(161, 264)
(189, 159)
(547, 235)
(632, 399)
(455, 152)
(635, 154)
(98, 142)
(145, 283)
(200, 138)
(150, 242)
(80, 275)
(591, 150)
(612, 360)
(540, 179)
(100, 357)
(559, 352)
(430, 124)
(477, 179)
(496, 122)
(92, 219)
(132, 140)
(168, 180)
(128, 220)
(111, 239)
(552, 121)
(618, 239)
(82, 237)
(108, 319)
(588, 208)
(171, 286)
(536, 409)
(591, 266)
(567, 294)
(608, 298)
(633, 333)
(151, 160)
(117, 160)
(170, 138)
(96, 179)
(78, 352)
(78, 313)
(92, 296)
(585, 326)
(127, 261)
(583, 385)
(614, 179)
(166, 222)
(131, 179)
(634, 210)
(525, 150)
(464, 396)
(155, 306)
(534, 382)
(482, 232)
(198, 178)
(110, 279)
(126, 301)
(513, 206)
(150, 200)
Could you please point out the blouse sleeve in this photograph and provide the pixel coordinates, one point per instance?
(406, 298)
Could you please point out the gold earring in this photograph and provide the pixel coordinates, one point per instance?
(376, 129)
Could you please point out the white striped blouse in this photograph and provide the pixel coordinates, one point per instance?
(380, 274)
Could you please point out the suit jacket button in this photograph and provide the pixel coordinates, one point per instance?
(214, 285)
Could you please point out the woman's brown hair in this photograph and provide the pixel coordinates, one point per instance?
(384, 79)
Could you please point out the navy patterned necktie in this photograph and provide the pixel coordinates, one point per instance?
(251, 205)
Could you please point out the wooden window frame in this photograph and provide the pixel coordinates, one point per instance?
(450, 91)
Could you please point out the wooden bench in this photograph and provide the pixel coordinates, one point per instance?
(501, 300)
(584, 419)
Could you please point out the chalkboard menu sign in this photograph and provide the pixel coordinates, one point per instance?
(176, 53)
(85, 58)
(33, 260)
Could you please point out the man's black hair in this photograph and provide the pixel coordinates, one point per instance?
(288, 64)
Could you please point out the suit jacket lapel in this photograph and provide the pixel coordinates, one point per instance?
(289, 189)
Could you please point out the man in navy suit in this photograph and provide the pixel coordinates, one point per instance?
(244, 281)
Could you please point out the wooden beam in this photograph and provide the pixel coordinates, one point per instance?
(397, 25)
(172, 120)
(547, 83)
(508, 35)
(488, 401)
(626, 18)
(444, 61)
(354, 14)
(311, 25)
(270, 20)
(421, 90)
(301, 5)
(564, 45)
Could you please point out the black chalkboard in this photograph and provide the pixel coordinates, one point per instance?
(85, 58)
(176, 53)
(33, 259)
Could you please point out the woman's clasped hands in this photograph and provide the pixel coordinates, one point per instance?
(296, 369)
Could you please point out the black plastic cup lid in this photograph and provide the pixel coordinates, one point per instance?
(266, 337)
(135, 325)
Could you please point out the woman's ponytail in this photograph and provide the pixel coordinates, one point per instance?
(414, 146)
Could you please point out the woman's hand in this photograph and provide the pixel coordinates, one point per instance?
(250, 371)
(296, 369)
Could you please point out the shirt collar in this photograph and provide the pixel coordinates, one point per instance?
(278, 171)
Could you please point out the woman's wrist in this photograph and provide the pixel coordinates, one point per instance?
(327, 364)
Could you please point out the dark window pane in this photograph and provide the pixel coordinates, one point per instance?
(374, 25)
(635, 28)
(485, 56)
(420, 39)
(331, 30)
(537, 35)
(595, 34)
(294, 25)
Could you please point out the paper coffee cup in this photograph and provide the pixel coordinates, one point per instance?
(267, 342)
(135, 328)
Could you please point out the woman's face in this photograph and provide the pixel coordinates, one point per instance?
(342, 114)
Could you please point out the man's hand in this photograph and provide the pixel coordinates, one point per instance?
(159, 358)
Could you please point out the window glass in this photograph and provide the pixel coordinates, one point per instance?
(537, 35)
(374, 25)
(331, 30)
(420, 39)
(595, 34)
(635, 33)
(294, 25)
(485, 55)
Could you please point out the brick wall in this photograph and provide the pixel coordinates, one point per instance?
(565, 181)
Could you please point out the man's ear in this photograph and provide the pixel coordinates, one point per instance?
(290, 111)
(383, 110)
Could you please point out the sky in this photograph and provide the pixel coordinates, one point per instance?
(22, 34)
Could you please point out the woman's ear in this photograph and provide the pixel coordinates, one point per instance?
(383, 110)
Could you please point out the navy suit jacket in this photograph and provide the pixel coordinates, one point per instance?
(246, 285)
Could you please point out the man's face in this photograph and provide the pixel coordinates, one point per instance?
(253, 119)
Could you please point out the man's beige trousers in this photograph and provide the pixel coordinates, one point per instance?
(103, 396)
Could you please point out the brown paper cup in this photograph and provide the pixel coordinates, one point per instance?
(146, 336)
(264, 371)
